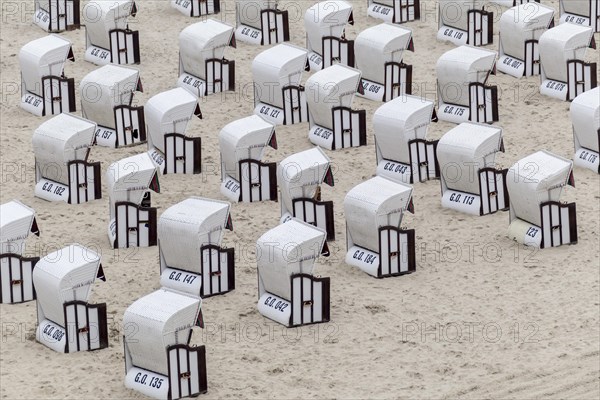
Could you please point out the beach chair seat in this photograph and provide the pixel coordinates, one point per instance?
(288, 291)
(45, 90)
(17, 222)
(244, 176)
(470, 181)
(167, 115)
(63, 281)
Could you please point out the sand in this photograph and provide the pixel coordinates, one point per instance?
(483, 317)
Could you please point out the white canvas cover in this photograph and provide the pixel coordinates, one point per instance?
(102, 16)
(59, 140)
(464, 150)
(16, 222)
(168, 112)
(459, 67)
(129, 178)
(535, 179)
(103, 89)
(560, 44)
(43, 57)
(399, 121)
(372, 204)
(326, 18)
(187, 226)
(585, 115)
(378, 45)
(300, 174)
(331, 87)
(62, 276)
(521, 23)
(285, 250)
(163, 318)
(248, 11)
(202, 41)
(275, 68)
(455, 13)
(243, 139)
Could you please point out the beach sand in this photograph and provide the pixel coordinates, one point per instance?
(482, 317)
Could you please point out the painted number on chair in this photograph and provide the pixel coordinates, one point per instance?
(458, 198)
(368, 258)
(42, 15)
(588, 156)
(53, 333)
(252, 33)
(451, 33)
(182, 3)
(103, 133)
(101, 54)
(187, 278)
(270, 112)
(323, 133)
(559, 87)
(51, 188)
(381, 10)
(276, 304)
(576, 20)
(154, 382)
(512, 63)
(397, 168)
(454, 110)
(33, 100)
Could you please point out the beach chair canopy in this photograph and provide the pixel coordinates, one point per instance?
(326, 18)
(130, 178)
(102, 16)
(288, 249)
(459, 67)
(249, 11)
(202, 41)
(455, 13)
(331, 87)
(300, 174)
(103, 89)
(184, 228)
(585, 114)
(163, 318)
(560, 44)
(63, 276)
(521, 23)
(43, 57)
(399, 121)
(378, 45)
(275, 68)
(372, 204)
(17, 221)
(535, 179)
(169, 112)
(466, 149)
(244, 139)
(59, 140)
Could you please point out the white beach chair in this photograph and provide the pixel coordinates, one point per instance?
(62, 173)
(463, 92)
(17, 221)
(45, 90)
(159, 361)
(167, 115)
(470, 181)
(108, 38)
(581, 12)
(197, 8)
(288, 290)
(278, 95)
(132, 219)
(333, 123)
(244, 177)
(57, 15)
(191, 257)
(465, 22)
(520, 31)
(107, 99)
(537, 217)
(261, 22)
(565, 74)
(585, 115)
(300, 177)
(202, 68)
(403, 152)
(63, 281)
(394, 11)
(379, 51)
(325, 25)
(376, 242)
